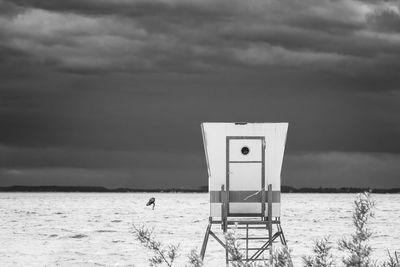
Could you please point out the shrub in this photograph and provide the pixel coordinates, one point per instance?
(357, 247)
(194, 259)
(392, 261)
(160, 253)
(322, 254)
(281, 257)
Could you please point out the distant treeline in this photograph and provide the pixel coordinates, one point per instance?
(289, 189)
(95, 189)
(284, 189)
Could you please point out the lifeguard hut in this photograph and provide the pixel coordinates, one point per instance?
(244, 162)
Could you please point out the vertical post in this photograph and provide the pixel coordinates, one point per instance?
(270, 223)
(263, 197)
(223, 208)
(224, 220)
(247, 242)
(227, 171)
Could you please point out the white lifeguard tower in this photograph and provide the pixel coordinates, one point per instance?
(244, 162)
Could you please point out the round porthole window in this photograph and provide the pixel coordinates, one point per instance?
(245, 150)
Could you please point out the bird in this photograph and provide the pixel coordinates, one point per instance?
(152, 201)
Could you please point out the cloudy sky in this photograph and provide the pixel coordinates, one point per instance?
(112, 92)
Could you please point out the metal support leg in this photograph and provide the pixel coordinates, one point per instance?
(224, 219)
(205, 241)
(226, 254)
(260, 251)
(283, 241)
(270, 223)
(282, 236)
(265, 223)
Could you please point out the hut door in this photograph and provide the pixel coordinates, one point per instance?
(245, 175)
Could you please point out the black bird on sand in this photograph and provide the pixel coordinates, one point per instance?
(152, 201)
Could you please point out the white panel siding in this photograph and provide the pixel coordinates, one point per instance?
(276, 210)
(215, 208)
(215, 134)
(255, 150)
(245, 208)
(245, 176)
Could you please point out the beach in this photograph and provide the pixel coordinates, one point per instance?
(96, 229)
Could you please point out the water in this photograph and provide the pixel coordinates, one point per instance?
(95, 229)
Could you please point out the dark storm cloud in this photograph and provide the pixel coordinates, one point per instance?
(385, 20)
(136, 178)
(119, 88)
(159, 36)
(334, 169)
(9, 9)
(301, 169)
(128, 8)
(83, 158)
